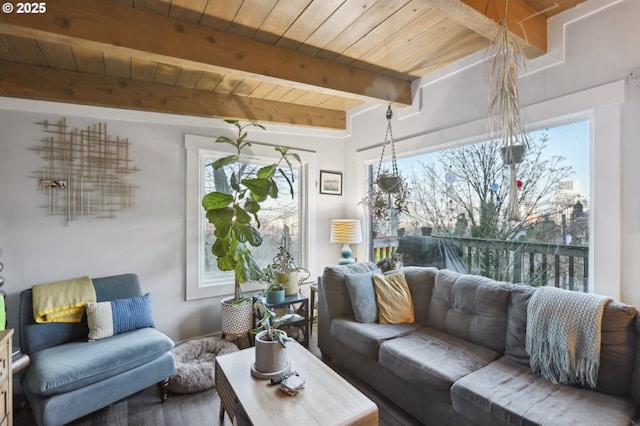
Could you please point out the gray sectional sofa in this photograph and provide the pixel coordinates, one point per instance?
(463, 361)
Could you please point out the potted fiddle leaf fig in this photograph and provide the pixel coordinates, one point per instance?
(234, 214)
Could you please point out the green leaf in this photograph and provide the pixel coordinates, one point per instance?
(221, 220)
(227, 263)
(295, 156)
(241, 215)
(225, 161)
(289, 182)
(216, 200)
(251, 206)
(245, 233)
(233, 181)
(258, 186)
(273, 189)
(221, 248)
(267, 172)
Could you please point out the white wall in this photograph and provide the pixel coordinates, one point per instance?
(149, 239)
(592, 50)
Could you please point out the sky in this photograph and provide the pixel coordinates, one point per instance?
(568, 140)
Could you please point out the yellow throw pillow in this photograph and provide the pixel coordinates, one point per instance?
(395, 305)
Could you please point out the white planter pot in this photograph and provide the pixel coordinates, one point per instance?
(271, 357)
(236, 319)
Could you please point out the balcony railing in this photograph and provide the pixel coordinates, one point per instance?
(563, 266)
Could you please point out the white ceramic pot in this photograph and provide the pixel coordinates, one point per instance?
(271, 357)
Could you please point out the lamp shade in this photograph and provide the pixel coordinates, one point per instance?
(346, 231)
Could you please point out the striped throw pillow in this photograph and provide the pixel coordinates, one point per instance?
(118, 316)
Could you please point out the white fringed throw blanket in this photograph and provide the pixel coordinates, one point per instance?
(563, 335)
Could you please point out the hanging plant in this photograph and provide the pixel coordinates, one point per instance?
(380, 202)
(388, 189)
(505, 117)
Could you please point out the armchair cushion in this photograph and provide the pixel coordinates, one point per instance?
(75, 365)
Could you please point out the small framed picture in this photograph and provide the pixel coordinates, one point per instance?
(330, 182)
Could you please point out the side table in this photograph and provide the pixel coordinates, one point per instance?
(299, 304)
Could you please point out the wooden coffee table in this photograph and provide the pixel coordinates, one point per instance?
(326, 399)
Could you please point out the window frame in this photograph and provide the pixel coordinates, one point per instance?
(199, 149)
(602, 107)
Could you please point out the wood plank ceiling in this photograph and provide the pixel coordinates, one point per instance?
(300, 62)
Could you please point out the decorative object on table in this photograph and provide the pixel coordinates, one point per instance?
(285, 271)
(195, 363)
(505, 117)
(426, 231)
(233, 214)
(271, 343)
(345, 232)
(388, 189)
(87, 171)
(292, 384)
(330, 182)
(275, 291)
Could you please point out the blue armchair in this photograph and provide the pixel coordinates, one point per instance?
(69, 376)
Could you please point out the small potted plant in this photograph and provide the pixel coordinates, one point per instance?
(274, 292)
(271, 342)
(285, 270)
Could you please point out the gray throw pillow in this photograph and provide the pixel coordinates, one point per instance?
(363, 296)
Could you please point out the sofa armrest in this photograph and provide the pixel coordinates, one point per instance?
(333, 299)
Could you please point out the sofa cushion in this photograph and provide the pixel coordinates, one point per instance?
(618, 335)
(366, 338)
(432, 358)
(394, 299)
(470, 307)
(505, 392)
(119, 316)
(421, 282)
(334, 291)
(515, 341)
(363, 296)
(74, 365)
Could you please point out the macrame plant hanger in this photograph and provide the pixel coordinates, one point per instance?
(389, 183)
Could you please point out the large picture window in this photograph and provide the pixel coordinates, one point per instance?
(281, 220)
(456, 216)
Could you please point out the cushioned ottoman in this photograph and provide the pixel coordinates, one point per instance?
(195, 363)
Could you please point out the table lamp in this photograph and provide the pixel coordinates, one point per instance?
(345, 231)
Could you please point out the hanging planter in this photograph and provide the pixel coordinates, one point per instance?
(388, 189)
(505, 117)
(389, 184)
(513, 154)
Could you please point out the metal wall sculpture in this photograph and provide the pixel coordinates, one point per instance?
(86, 173)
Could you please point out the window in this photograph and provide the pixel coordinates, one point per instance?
(456, 216)
(281, 219)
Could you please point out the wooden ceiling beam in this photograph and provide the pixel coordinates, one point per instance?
(108, 26)
(483, 16)
(41, 83)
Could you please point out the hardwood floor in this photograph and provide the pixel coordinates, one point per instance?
(145, 409)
